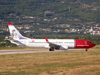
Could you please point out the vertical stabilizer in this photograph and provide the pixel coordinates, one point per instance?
(14, 32)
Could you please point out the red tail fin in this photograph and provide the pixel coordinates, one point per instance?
(9, 23)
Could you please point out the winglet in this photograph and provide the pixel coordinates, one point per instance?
(46, 39)
(9, 23)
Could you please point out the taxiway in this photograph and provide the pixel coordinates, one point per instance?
(24, 51)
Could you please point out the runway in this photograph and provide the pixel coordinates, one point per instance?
(2, 52)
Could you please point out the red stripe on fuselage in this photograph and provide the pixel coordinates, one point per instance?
(83, 44)
(79, 43)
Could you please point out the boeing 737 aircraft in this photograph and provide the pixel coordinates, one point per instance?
(58, 44)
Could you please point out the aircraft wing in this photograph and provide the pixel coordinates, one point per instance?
(52, 44)
(55, 46)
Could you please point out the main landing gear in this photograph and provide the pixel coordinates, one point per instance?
(51, 49)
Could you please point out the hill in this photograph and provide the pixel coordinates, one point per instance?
(78, 8)
(49, 13)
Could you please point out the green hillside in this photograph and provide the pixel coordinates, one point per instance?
(50, 16)
(59, 7)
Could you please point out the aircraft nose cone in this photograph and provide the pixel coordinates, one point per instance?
(93, 45)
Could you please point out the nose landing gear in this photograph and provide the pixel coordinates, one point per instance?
(86, 49)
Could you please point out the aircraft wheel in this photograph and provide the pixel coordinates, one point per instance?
(51, 49)
(86, 50)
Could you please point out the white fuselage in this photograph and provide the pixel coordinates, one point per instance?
(70, 43)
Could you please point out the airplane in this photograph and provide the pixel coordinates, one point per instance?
(52, 44)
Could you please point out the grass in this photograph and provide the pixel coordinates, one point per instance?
(52, 63)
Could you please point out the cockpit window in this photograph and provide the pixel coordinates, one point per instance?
(90, 42)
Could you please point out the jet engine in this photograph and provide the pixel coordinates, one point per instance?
(63, 47)
(47, 46)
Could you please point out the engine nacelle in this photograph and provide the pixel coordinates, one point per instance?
(47, 46)
(63, 47)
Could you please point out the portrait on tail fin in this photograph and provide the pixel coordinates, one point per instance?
(14, 34)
